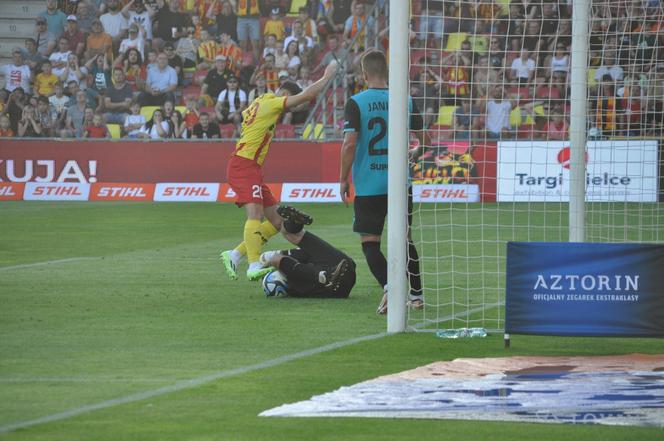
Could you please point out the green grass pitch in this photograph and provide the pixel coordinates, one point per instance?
(135, 301)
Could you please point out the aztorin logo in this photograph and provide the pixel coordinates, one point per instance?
(564, 156)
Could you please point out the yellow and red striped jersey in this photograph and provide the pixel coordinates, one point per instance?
(259, 121)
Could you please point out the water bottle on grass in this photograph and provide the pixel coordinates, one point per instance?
(462, 333)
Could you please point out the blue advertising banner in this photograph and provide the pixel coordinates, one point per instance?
(585, 289)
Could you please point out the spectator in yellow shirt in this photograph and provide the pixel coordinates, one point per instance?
(46, 80)
(275, 25)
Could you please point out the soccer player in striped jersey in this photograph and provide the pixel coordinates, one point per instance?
(364, 151)
(245, 176)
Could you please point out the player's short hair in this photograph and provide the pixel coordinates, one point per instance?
(291, 87)
(374, 64)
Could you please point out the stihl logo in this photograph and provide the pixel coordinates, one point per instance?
(312, 193)
(7, 191)
(186, 191)
(446, 193)
(57, 191)
(122, 192)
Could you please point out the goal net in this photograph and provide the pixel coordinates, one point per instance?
(492, 80)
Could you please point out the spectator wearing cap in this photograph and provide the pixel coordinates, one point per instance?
(231, 51)
(17, 74)
(134, 40)
(160, 84)
(175, 61)
(30, 55)
(115, 24)
(45, 40)
(98, 42)
(283, 77)
(74, 36)
(140, 13)
(85, 15)
(117, 101)
(54, 17)
(215, 81)
(275, 25)
(230, 104)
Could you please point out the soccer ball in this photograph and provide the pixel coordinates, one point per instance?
(275, 284)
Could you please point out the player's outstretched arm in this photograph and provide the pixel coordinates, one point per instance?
(313, 90)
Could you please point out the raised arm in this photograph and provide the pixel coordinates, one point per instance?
(313, 90)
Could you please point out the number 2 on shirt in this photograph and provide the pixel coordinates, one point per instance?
(378, 136)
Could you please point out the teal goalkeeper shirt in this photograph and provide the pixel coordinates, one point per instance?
(367, 115)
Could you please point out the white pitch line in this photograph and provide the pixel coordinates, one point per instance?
(48, 262)
(199, 381)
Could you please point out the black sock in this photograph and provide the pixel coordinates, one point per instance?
(376, 261)
(292, 227)
(414, 270)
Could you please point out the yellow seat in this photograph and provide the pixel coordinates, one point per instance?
(539, 110)
(454, 41)
(591, 77)
(147, 111)
(318, 131)
(295, 6)
(181, 109)
(114, 130)
(504, 7)
(516, 118)
(446, 115)
(479, 43)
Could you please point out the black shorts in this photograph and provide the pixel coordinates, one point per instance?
(370, 213)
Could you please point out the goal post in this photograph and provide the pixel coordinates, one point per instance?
(578, 119)
(397, 165)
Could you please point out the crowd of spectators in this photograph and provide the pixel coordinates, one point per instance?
(490, 69)
(188, 68)
(165, 68)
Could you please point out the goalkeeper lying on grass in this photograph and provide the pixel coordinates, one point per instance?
(315, 268)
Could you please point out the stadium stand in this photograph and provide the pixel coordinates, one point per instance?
(478, 55)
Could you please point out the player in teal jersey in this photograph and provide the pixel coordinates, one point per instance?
(364, 151)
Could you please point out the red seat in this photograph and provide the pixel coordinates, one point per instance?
(284, 131)
(226, 130)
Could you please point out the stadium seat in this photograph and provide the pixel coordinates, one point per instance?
(591, 77)
(114, 130)
(454, 41)
(446, 115)
(226, 130)
(516, 118)
(479, 43)
(284, 131)
(191, 90)
(318, 131)
(295, 6)
(147, 111)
